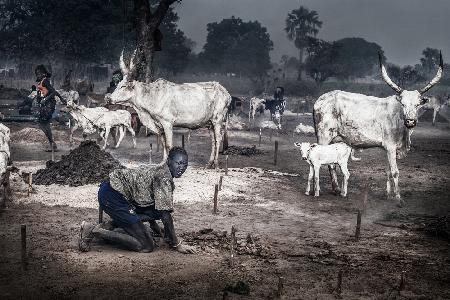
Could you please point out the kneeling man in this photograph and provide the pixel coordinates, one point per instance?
(130, 193)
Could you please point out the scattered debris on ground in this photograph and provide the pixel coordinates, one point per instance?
(84, 165)
(239, 150)
(240, 288)
(35, 135)
(439, 226)
(209, 240)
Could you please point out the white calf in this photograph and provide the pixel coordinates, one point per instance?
(5, 167)
(255, 104)
(317, 155)
(101, 120)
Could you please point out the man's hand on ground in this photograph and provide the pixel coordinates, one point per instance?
(186, 249)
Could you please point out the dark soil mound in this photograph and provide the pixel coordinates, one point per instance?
(83, 165)
(238, 150)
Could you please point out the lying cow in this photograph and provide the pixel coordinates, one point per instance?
(101, 120)
(317, 155)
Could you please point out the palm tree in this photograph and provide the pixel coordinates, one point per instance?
(302, 27)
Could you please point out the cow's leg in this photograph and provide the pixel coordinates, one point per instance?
(217, 140)
(121, 131)
(133, 135)
(105, 137)
(435, 112)
(334, 179)
(391, 154)
(74, 127)
(168, 139)
(316, 180)
(346, 174)
(310, 179)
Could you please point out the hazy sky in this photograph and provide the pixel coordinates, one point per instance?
(403, 28)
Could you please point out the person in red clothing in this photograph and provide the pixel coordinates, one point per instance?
(47, 102)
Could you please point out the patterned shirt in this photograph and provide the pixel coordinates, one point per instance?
(145, 186)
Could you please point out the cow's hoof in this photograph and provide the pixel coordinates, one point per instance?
(307, 193)
(343, 195)
(210, 166)
(316, 195)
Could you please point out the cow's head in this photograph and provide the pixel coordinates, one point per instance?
(305, 148)
(125, 90)
(411, 100)
(72, 98)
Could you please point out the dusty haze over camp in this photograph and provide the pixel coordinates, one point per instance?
(403, 28)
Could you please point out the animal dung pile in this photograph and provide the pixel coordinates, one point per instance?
(238, 150)
(209, 240)
(84, 165)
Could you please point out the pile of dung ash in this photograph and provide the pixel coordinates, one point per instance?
(86, 164)
(238, 150)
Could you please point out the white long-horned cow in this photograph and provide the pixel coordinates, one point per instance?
(162, 105)
(98, 119)
(364, 122)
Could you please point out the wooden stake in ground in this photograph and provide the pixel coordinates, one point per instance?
(280, 286)
(232, 245)
(260, 135)
(216, 191)
(100, 215)
(23, 235)
(226, 164)
(339, 284)
(402, 281)
(189, 137)
(182, 141)
(358, 225)
(220, 182)
(275, 155)
(150, 156)
(30, 182)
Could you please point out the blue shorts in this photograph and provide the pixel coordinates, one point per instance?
(116, 206)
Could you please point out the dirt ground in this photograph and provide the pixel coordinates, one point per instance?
(281, 232)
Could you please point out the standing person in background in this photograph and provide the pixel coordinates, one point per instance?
(46, 101)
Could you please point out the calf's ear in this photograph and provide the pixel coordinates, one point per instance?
(313, 145)
(297, 144)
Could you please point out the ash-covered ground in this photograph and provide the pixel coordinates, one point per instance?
(280, 231)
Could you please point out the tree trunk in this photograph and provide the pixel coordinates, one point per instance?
(147, 23)
(300, 65)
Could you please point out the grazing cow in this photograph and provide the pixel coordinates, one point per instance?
(317, 155)
(304, 129)
(435, 103)
(256, 104)
(364, 122)
(161, 105)
(101, 120)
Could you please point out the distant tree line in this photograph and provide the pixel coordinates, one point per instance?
(96, 31)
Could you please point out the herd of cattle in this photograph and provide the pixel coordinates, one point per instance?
(343, 121)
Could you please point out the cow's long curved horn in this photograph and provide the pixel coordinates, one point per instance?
(386, 78)
(133, 57)
(123, 66)
(437, 77)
